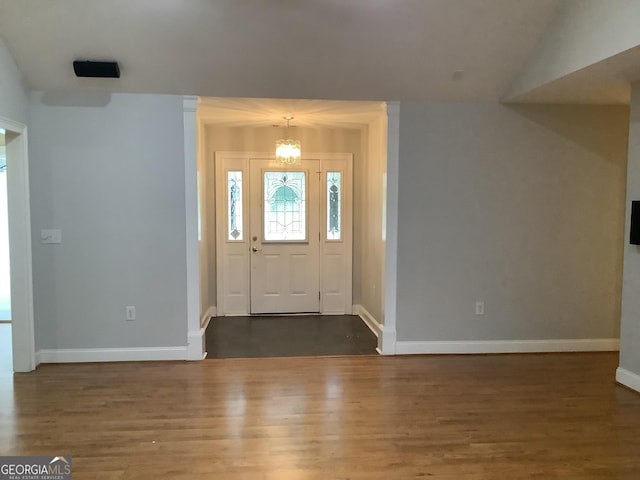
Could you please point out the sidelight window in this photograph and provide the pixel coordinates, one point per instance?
(234, 200)
(334, 205)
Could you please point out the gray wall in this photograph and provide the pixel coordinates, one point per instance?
(13, 93)
(521, 207)
(630, 341)
(108, 170)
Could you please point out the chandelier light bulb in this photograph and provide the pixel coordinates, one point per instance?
(288, 150)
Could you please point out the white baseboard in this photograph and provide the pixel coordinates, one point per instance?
(196, 344)
(196, 348)
(83, 355)
(509, 346)
(206, 318)
(375, 326)
(387, 343)
(628, 379)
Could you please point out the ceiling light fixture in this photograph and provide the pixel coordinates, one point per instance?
(288, 150)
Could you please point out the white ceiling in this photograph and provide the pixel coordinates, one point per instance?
(264, 112)
(326, 49)
(606, 82)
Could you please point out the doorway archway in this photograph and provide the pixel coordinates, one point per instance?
(19, 214)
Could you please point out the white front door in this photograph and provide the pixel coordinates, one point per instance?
(284, 235)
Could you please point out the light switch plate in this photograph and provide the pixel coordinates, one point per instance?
(51, 236)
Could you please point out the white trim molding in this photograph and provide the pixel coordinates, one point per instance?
(334, 301)
(12, 125)
(508, 346)
(195, 341)
(210, 312)
(19, 213)
(196, 349)
(387, 342)
(83, 355)
(628, 379)
(373, 324)
(206, 318)
(197, 344)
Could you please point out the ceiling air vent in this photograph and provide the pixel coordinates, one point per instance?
(96, 69)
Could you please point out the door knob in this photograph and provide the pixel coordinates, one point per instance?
(256, 249)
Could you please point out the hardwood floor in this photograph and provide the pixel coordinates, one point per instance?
(554, 416)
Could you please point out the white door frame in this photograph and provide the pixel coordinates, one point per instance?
(195, 338)
(387, 341)
(240, 161)
(19, 209)
(287, 295)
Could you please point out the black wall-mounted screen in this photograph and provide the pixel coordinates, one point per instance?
(634, 235)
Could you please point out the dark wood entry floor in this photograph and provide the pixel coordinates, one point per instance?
(289, 336)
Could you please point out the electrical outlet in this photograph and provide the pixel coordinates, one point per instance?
(131, 313)
(50, 236)
(479, 308)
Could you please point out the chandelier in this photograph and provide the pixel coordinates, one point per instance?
(288, 150)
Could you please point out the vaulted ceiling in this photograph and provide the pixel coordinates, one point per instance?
(323, 49)
(549, 51)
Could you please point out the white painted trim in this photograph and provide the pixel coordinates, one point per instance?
(23, 337)
(206, 318)
(388, 338)
(341, 162)
(628, 379)
(368, 319)
(197, 345)
(206, 323)
(221, 160)
(196, 349)
(195, 342)
(242, 155)
(387, 343)
(239, 161)
(84, 355)
(508, 346)
(12, 125)
(199, 338)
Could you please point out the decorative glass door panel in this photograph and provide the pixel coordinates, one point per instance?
(285, 206)
(234, 212)
(334, 205)
(285, 250)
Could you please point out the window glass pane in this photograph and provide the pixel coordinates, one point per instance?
(234, 192)
(285, 207)
(334, 207)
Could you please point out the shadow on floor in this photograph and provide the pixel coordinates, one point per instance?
(289, 336)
